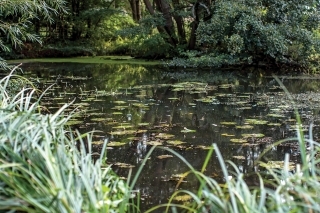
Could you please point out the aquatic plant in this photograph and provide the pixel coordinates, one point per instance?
(47, 167)
(278, 186)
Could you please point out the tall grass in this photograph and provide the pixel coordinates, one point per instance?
(278, 190)
(44, 166)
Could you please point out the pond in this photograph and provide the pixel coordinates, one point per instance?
(135, 107)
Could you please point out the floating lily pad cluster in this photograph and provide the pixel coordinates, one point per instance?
(236, 115)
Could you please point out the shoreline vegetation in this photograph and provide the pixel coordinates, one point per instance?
(89, 59)
(48, 167)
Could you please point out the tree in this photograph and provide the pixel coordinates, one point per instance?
(16, 18)
(265, 32)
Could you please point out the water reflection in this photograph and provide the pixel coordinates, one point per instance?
(136, 107)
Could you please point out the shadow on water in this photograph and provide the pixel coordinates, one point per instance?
(136, 107)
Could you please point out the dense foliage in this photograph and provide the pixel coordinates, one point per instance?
(257, 32)
(16, 21)
(194, 33)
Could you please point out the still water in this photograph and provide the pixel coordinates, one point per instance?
(135, 107)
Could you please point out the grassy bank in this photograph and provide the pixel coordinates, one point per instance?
(90, 59)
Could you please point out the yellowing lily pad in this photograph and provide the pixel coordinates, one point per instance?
(175, 142)
(239, 157)
(164, 136)
(164, 156)
(185, 130)
(124, 165)
(253, 135)
(277, 165)
(182, 198)
(238, 140)
(119, 102)
(154, 143)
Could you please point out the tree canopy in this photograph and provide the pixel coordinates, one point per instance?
(17, 17)
(192, 33)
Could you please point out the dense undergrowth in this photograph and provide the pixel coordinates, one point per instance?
(46, 167)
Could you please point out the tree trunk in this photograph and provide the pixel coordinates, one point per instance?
(164, 7)
(167, 33)
(197, 9)
(136, 9)
(180, 24)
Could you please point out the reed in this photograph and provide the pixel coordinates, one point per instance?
(46, 167)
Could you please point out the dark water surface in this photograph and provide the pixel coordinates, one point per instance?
(135, 107)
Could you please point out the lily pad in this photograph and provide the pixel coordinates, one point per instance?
(227, 135)
(253, 135)
(114, 143)
(182, 198)
(228, 123)
(275, 115)
(238, 140)
(255, 121)
(239, 157)
(143, 124)
(244, 127)
(175, 142)
(123, 132)
(164, 156)
(119, 102)
(277, 165)
(73, 122)
(123, 165)
(154, 143)
(185, 130)
(164, 136)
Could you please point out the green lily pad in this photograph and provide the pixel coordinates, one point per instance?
(175, 142)
(73, 122)
(277, 165)
(143, 124)
(98, 119)
(275, 115)
(123, 132)
(228, 123)
(255, 121)
(114, 143)
(244, 127)
(227, 135)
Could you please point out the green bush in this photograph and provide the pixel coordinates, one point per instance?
(259, 32)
